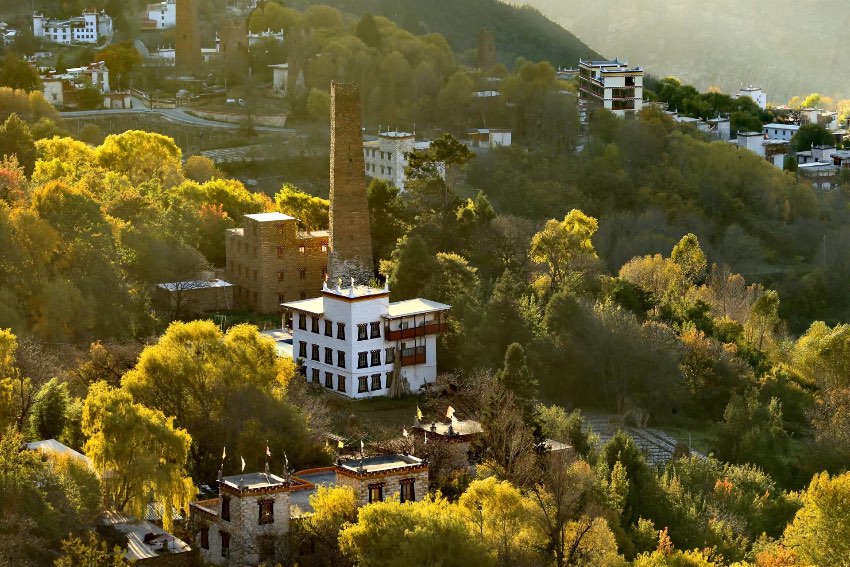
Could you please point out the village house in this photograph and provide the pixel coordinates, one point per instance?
(612, 85)
(354, 342)
(757, 95)
(270, 260)
(486, 138)
(386, 157)
(194, 296)
(160, 16)
(245, 524)
(91, 27)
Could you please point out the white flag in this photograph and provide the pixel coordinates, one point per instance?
(361, 447)
(404, 432)
(243, 463)
(426, 437)
(450, 412)
(268, 452)
(223, 453)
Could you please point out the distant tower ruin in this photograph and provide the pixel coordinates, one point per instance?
(233, 47)
(187, 50)
(486, 57)
(350, 245)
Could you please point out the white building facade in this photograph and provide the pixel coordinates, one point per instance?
(160, 16)
(612, 85)
(757, 95)
(776, 131)
(88, 28)
(386, 157)
(353, 341)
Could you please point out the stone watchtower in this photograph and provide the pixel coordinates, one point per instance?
(486, 56)
(350, 246)
(187, 49)
(233, 46)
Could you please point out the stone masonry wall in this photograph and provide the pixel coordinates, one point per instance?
(350, 238)
(391, 482)
(187, 48)
(265, 264)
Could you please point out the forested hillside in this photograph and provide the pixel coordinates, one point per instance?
(520, 32)
(778, 45)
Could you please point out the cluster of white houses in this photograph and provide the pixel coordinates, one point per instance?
(91, 27)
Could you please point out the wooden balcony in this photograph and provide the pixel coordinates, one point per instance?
(413, 332)
(418, 358)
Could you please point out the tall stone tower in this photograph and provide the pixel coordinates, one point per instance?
(350, 245)
(486, 57)
(233, 47)
(187, 50)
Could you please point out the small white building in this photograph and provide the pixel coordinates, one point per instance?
(353, 341)
(386, 157)
(777, 131)
(88, 28)
(486, 138)
(821, 175)
(757, 95)
(280, 77)
(160, 16)
(53, 89)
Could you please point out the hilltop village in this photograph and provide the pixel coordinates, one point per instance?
(293, 284)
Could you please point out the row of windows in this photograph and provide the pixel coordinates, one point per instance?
(384, 170)
(365, 331)
(365, 359)
(389, 155)
(407, 491)
(364, 383)
(281, 275)
(243, 248)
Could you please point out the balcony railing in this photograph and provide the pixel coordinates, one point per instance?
(413, 332)
(415, 358)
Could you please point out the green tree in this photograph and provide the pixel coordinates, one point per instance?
(388, 217)
(226, 389)
(500, 516)
(47, 420)
(822, 355)
(17, 73)
(311, 212)
(517, 377)
(690, 257)
(565, 247)
(752, 432)
(121, 59)
(368, 32)
(555, 423)
(820, 532)
(16, 140)
(429, 532)
(333, 509)
(811, 135)
(89, 98)
(137, 451)
(409, 267)
(90, 552)
(142, 156)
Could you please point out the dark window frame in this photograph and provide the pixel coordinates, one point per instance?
(376, 382)
(362, 333)
(407, 490)
(362, 384)
(329, 328)
(376, 490)
(314, 352)
(340, 383)
(340, 358)
(340, 331)
(329, 380)
(363, 359)
(375, 357)
(225, 508)
(329, 355)
(302, 349)
(375, 330)
(265, 509)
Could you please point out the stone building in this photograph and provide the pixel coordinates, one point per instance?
(270, 261)
(233, 47)
(187, 50)
(194, 296)
(486, 55)
(244, 525)
(354, 342)
(350, 238)
(387, 157)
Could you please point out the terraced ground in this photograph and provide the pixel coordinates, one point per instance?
(657, 445)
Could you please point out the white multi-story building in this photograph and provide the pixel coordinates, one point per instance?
(776, 131)
(353, 341)
(386, 157)
(160, 16)
(756, 94)
(612, 85)
(88, 28)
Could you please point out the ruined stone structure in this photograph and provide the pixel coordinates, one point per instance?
(486, 57)
(187, 49)
(269, 261)
(350, 239)
(233, 47)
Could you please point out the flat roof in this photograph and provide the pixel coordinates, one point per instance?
(54, 446)
(355, 291)
(396, 134)
(380, 463)
(254, 480)
(782, 126)
(816, 165)
(416, 306)
(267, 217)
(315, 305)
(144, 539)
(194, 284)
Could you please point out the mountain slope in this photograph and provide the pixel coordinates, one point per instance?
(519, 31)
(788, 47)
